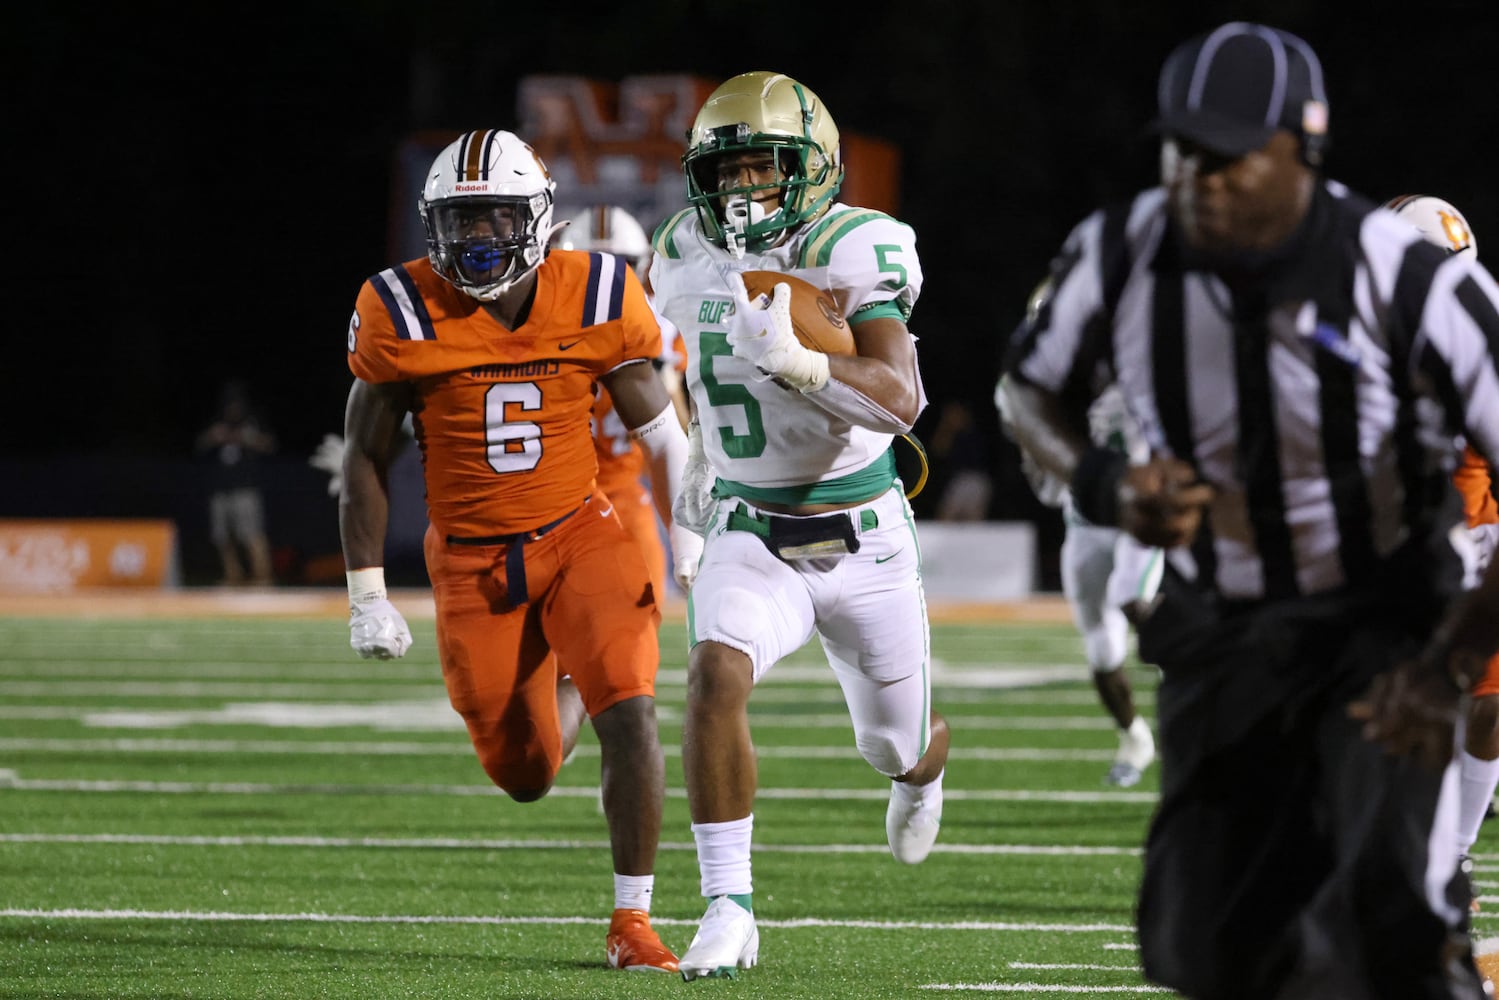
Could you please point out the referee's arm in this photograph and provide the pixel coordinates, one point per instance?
(1043, 428)
(1056, 359)
(1160, 503)
(1413, 708)
(1049, 352)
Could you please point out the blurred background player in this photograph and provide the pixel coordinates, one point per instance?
(234, 443)
(961, 452)
(1103, 570)
(622, 463)
(1478, 757)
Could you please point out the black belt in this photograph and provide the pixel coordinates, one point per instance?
(515, 557)
(792, 538)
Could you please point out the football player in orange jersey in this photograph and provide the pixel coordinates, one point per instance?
(496, 348)
(622, 464)
(1478, 758)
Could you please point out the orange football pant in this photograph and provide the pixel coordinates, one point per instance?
(592, 613)
(637, 511)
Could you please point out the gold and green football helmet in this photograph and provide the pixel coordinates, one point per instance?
(762, 111)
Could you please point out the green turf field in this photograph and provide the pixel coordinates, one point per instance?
(239, 807)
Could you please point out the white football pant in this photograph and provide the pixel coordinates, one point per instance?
(1104, 569)
(868, 608)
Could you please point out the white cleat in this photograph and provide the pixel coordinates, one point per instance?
(911, 827)
(1136, 753)
(726, 940)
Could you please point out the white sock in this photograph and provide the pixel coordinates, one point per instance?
(633, 892)
(1477, 780)
(927, 796)
(723, 856)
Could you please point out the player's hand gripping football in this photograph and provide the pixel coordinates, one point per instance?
(761, 333)
(1161, 503)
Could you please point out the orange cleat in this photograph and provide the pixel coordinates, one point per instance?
(634, 946)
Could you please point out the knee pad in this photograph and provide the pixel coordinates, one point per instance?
(1107, 644)
(883, 749)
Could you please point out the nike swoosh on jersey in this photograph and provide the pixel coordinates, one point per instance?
(568, 347)
(607, 511)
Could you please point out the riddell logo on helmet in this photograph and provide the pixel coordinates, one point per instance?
(470, 187)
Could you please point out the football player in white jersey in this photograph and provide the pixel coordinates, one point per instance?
(1104, 571)
(793, 478)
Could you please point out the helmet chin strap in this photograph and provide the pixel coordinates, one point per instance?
(489, 293)
(740, 213)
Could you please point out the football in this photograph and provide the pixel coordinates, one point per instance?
(814, 315)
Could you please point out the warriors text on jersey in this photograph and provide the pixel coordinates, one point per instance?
(502, 416)
(866, 260)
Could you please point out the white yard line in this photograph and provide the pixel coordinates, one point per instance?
(359, 918)
(10, 779)
(39, 682)
(436, 715)
(419, 748)
(480, 844)
(1043, 966)
(1033, 988)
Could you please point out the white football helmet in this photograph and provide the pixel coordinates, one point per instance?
(487, 206)
(607, 229)
(1439, 221)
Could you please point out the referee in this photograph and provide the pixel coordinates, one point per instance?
(1304, 367)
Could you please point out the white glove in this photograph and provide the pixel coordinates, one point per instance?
(329, 457)
(1486, 537)
(692, 508)
(376, 628)
(762, 335)
(377, 631)
(686, 551)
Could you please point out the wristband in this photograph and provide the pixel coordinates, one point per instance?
(366, 584)
(1095, 485)
(809, 373)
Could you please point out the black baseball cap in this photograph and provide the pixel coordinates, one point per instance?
(1228, 90)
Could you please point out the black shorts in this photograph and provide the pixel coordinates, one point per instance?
(1289, 856)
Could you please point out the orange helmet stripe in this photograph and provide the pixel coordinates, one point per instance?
(474, 154)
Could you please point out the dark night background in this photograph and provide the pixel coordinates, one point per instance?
(196, 194)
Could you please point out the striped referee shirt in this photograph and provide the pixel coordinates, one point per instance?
(1324, 402)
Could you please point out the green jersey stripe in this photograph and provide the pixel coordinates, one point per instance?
(664, 240)
(869, 482)
(818, 250)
